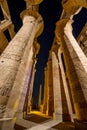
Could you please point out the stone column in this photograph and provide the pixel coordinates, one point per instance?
(65, 85)
(76, 69)
(40, 95)
(45, 91)
(29, 105)
(80, 64)
(50, 107)
(12, 56)
(14, 63)
(56, 88)
(25, 73)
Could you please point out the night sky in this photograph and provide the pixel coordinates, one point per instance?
(51, 12)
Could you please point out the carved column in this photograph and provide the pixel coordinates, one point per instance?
(68, 113)
(29, 98)
(56, 88)
(80, 63)
(77, 76)
(14, 79)
(26, 75)
(50, 105)
(45, 91)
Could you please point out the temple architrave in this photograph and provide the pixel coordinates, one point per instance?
(64, 105)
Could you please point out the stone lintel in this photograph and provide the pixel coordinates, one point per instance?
(5, 25)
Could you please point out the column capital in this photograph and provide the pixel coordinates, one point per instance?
(59, 31)
(68, 26)
(71, 6)
(33, 2)
(37, 16)
(55, 48)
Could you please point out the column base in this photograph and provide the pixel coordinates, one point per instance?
(57, 116)
(80, 125)
(7, 123)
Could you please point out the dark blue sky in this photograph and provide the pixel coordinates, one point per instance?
(50, 11)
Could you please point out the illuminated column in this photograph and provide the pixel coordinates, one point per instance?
(80, 63)
(12, 56)
(73, 62)
(20, 73)
(50, 105)
(78, 68)
(40, 94)
(29, 98)
(61, 103)
(45, 91)
(30, 90)
(56, 88)
(16, 56)
(26, 75)
(65, 85)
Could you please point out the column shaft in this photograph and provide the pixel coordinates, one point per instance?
(79, 86)
(25, 72)
(29, 35)
(29, 105)
(12, 56)
(50, 89)
(68, 99)
(45, 91)
(56, 88)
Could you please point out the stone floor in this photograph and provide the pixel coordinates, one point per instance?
(36, 117)
(43, 123)
(64, 126)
